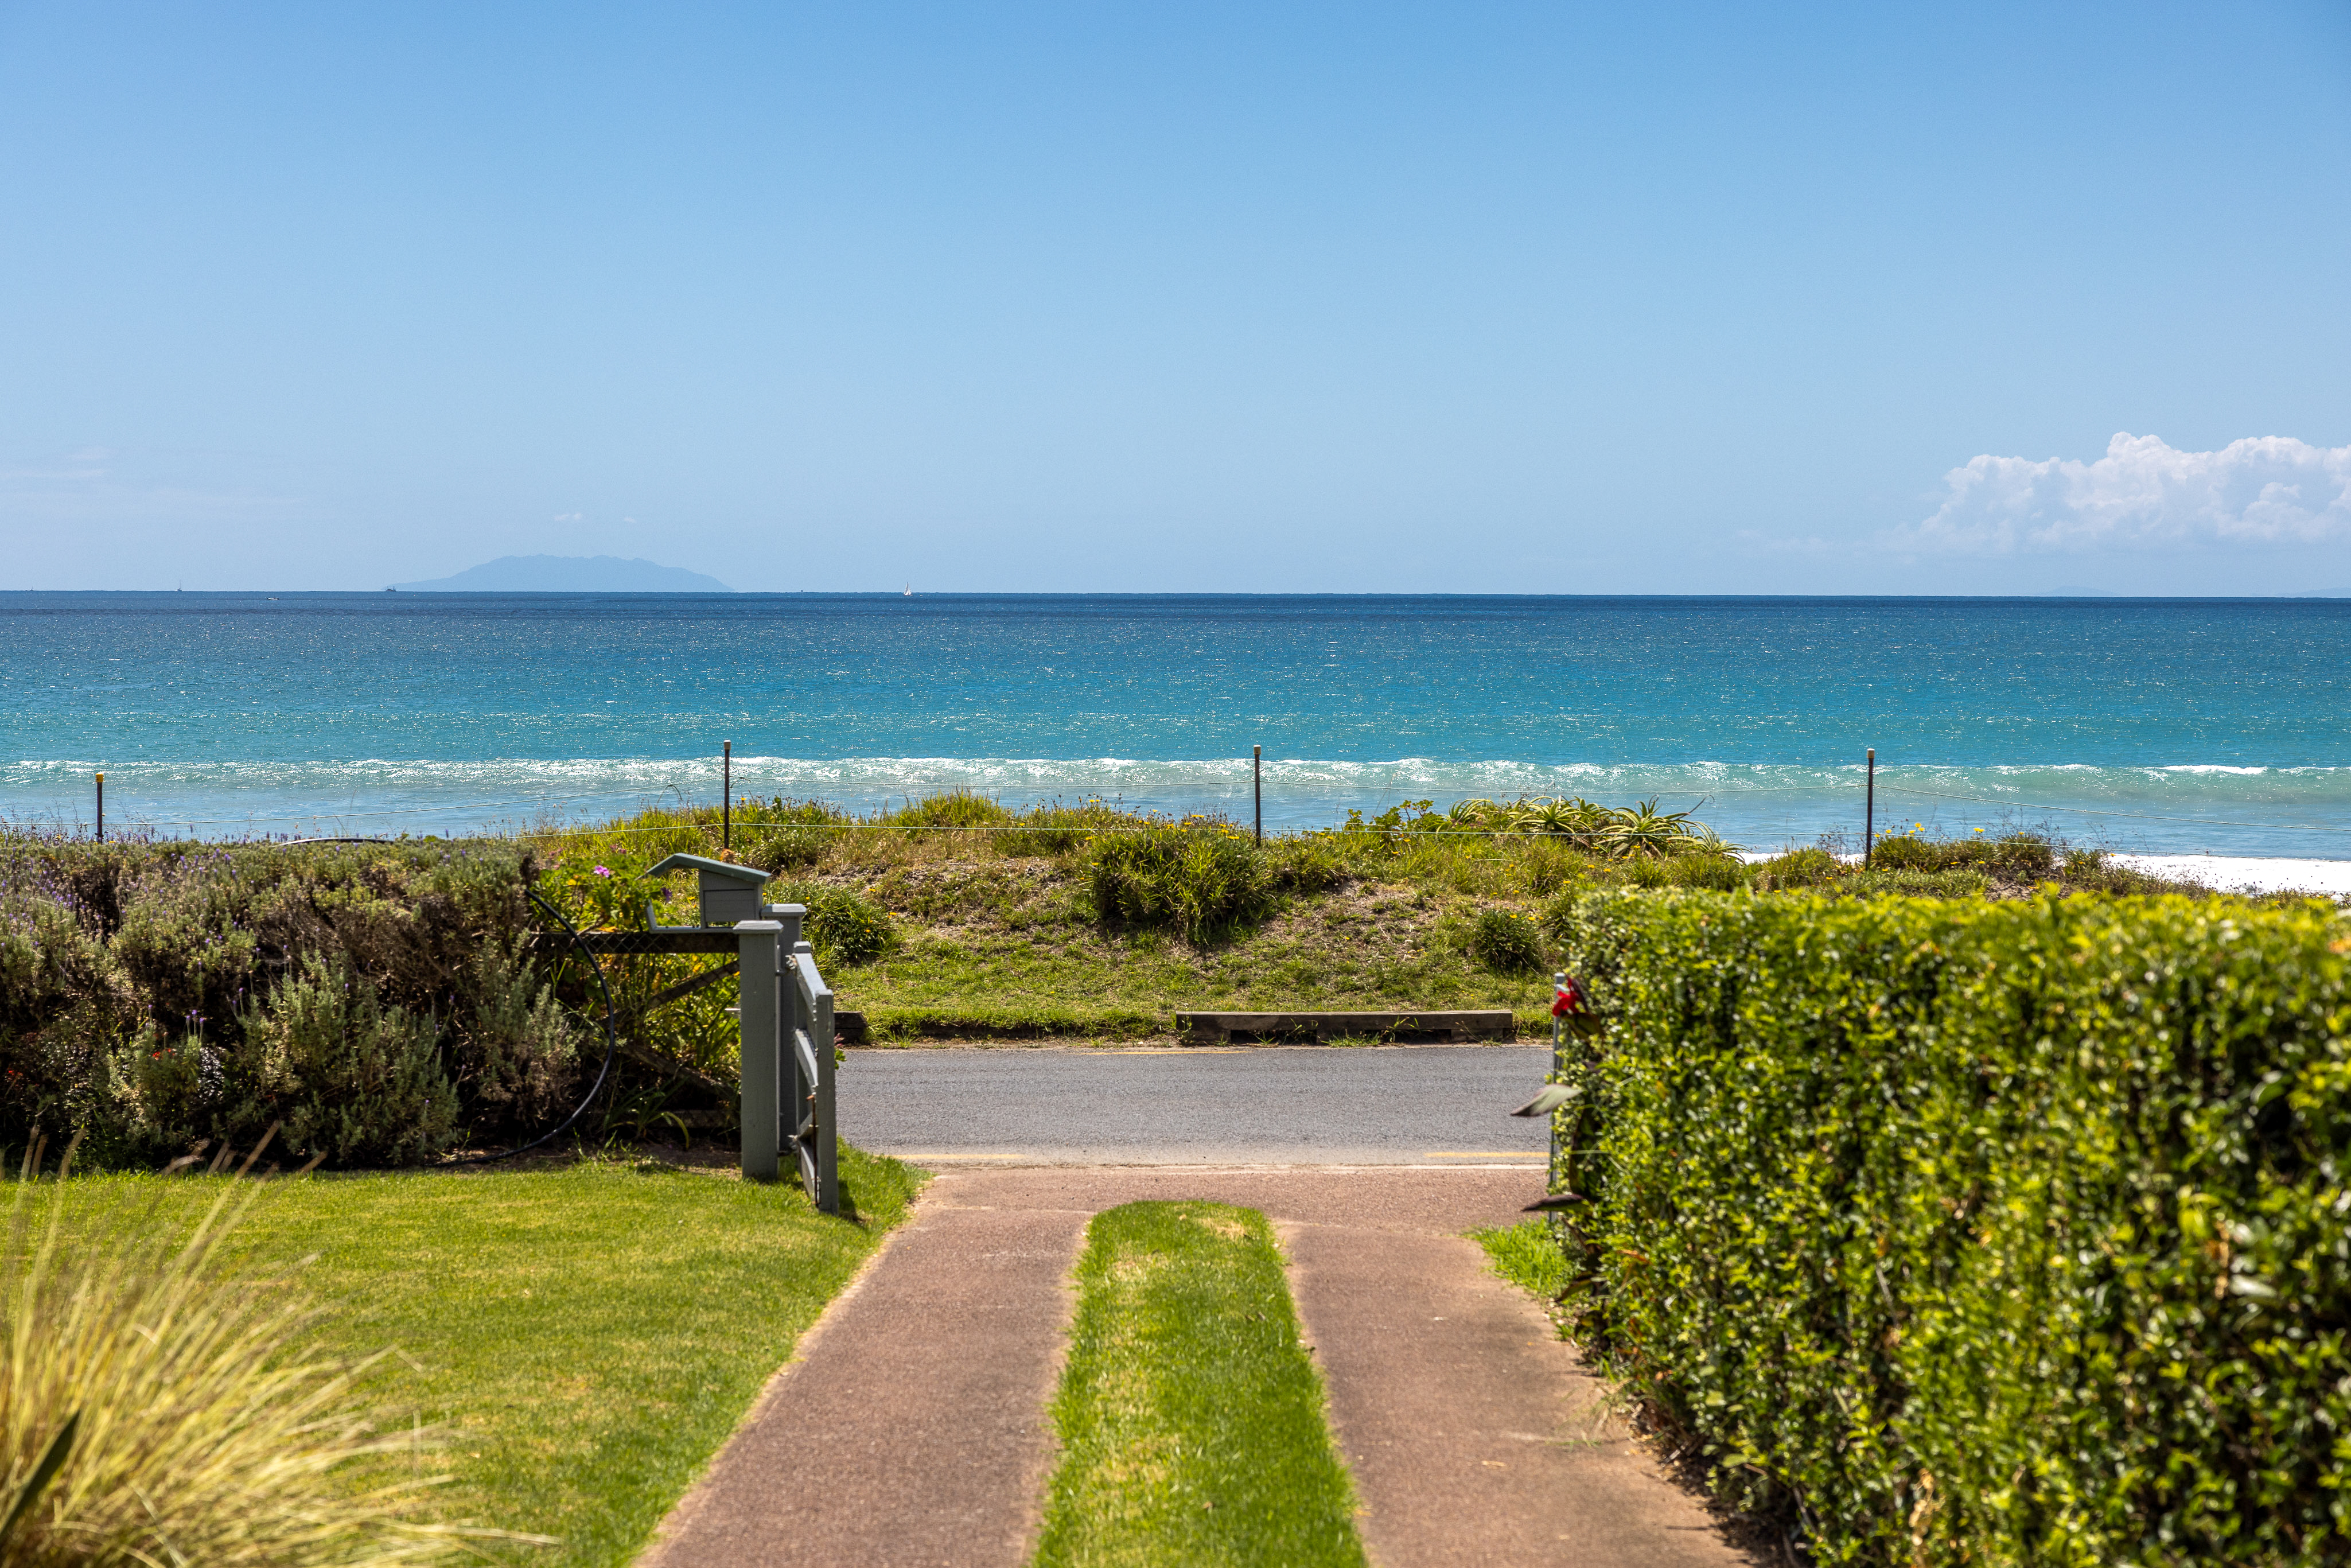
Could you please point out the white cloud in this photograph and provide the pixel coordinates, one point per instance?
(2268, 489)
(80, 466)
(90, 487)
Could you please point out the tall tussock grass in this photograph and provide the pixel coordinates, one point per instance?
(161, 1406)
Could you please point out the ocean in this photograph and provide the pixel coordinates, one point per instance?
(2220, 725)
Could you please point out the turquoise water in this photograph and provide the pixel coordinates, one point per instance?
(2183, 725)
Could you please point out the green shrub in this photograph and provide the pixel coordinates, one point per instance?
(1964, 882)
(1720, 872)
(789, 847)
(351, 1080)
(519, 1049)
(2093, 869)
(1904, 851)
(846, 928)
(951, 809)
(1306, 863)
(1506, 942)
(1203, 882)
(153, 996)
(2020, 857)
(781, 835)
(1547, 867)
(1797, 869)
(2014, 857)
(1976, 1232)
(1641, 831)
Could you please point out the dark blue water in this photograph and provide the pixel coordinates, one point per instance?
(2152, 723)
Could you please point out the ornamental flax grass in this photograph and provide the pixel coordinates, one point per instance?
(203, 1428)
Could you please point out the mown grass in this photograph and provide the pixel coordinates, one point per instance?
(591, 1333)
(1191, 1421)
(995, 922)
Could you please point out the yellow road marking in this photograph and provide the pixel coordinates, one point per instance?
(1486, 1154)
(956, 1154)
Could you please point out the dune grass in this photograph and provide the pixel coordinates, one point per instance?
(1192, 1422)
(589, 1333)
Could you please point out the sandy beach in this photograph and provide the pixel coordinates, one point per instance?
(2232, 873)
(2249, 874)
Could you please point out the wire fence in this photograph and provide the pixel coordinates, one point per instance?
(555, 816)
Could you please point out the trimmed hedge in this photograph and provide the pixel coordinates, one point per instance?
(373, 999)
(1983, 1233)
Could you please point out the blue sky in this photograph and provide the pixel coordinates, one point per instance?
(1349, 297)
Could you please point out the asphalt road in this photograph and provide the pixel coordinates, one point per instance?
(1413, 1104)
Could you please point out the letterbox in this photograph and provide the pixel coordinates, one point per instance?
(729, 892)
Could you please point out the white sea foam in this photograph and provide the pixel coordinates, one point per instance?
(2173, 808)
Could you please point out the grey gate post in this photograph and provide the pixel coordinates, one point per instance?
(762, 1018)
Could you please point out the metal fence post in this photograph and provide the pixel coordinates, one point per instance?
(762, 1018)
(1869, 813)
(1257, 788)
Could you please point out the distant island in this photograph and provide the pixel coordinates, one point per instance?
(568, 574)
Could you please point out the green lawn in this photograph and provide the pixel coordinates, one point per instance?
(1192, 1423)
(591, 1333)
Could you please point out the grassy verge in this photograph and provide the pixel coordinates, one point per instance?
(958, 918)
(592, 1333)
(1191, 1420)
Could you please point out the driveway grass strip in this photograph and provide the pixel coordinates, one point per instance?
(591, 1333)
(1192, 1423)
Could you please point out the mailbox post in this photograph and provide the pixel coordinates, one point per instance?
(785, 1016)
(762, 1024)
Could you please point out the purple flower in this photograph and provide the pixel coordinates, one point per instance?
(603, 870)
